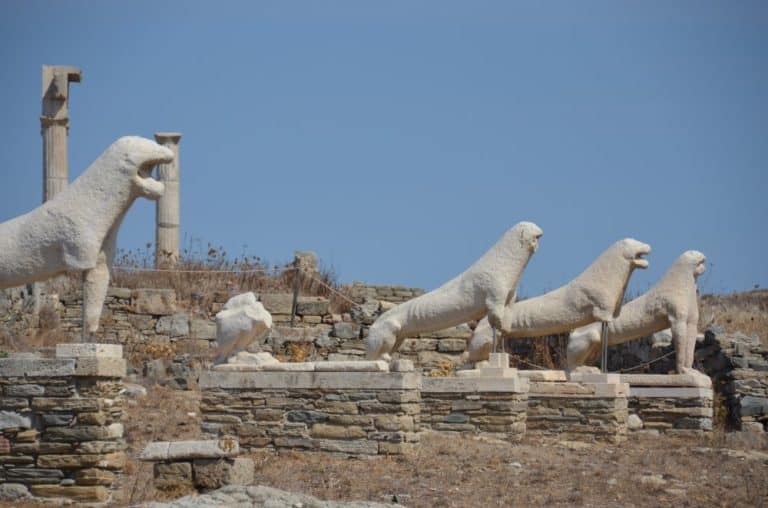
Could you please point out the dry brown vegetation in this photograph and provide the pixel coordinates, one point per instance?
(738, 312)
(455, 471)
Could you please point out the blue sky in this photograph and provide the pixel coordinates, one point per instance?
(399, 140)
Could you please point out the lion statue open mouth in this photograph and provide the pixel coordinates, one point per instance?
(671, 303)
(76, 231)
(595, 295)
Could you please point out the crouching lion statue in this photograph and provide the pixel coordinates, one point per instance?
(76, 231)
(672, 302)
(595, 295)
(486, 287)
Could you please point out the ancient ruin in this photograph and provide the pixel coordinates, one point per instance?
(167, 207)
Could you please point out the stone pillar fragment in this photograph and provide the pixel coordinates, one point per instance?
(167, 217)
(54, 126)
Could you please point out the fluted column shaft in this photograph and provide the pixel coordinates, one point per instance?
(167, 216)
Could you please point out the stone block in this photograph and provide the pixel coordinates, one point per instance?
(20, 367)
(33, 475)
(173, 475)
(23, 391)
(451, 345)
(352, 366)
(753, 406)
(346, 330)
(277, 303)
(178, 450)
(216, 473)
(92, 476)
(101, 367)
(312, 306)
(321, 430)
(94, 493)
(121, 293)
(311, 380)
(352, 447)
(13, 491)
(202, 329)
(13, 420)
(175, 325)
(158, 302)
(90, 350)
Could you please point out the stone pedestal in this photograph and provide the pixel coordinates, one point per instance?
(585, 407)
(670, 403)
(167, 216)
(348, 413)
(60, 422)
(479, 404)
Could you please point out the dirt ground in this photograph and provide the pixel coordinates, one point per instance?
(722, 470)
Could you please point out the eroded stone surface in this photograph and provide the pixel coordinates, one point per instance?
(242, 321)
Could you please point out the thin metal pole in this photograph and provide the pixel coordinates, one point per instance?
(604, 347)
(296, 287)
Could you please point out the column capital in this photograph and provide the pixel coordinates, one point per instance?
(167, 137)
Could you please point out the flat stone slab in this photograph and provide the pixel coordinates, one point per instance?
(671, 392)
(474, 384)
(38, 367)
(578, 389)
(101, 367)
(667, 380)
(226, 447)
(589, 377)
(329, 380)
(352, 366)
(91, 350)
(544, 375)
(276, 367)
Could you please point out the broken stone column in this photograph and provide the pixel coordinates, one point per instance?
(167, 217)
(54, 126)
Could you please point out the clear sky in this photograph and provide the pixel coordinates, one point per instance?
(399, 140)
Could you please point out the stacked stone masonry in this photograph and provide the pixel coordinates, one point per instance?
(350, 413)
(670, 403)
(475, 406)
(200, 464)
(60, 419)
(583, 411)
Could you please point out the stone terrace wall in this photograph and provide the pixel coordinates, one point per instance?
(475, 405)
(351, 413)
(60, 424)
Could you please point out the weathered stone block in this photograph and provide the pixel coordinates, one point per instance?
(346, 330)
(202, 329)
(13, 420)
(73, 492)
(321, 430)
(159, 302)
(24, 391)
(173, 475)
(216, 473)
(176, 325)
(90, 350)
(92, 476)
(277, 303)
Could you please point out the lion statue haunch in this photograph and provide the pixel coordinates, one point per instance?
(671, 303)
(76, 231)
(595, 295)
(486, 287)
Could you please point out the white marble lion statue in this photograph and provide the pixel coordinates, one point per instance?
(76, 231)
(486, 287)
(671, 303)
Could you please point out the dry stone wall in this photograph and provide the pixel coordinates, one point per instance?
(350, 413)
(60, 423)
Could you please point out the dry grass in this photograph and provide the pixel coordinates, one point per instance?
(739, 312)
(455, 471)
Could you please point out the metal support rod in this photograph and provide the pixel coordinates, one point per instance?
(296, 287)
(604, 347)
